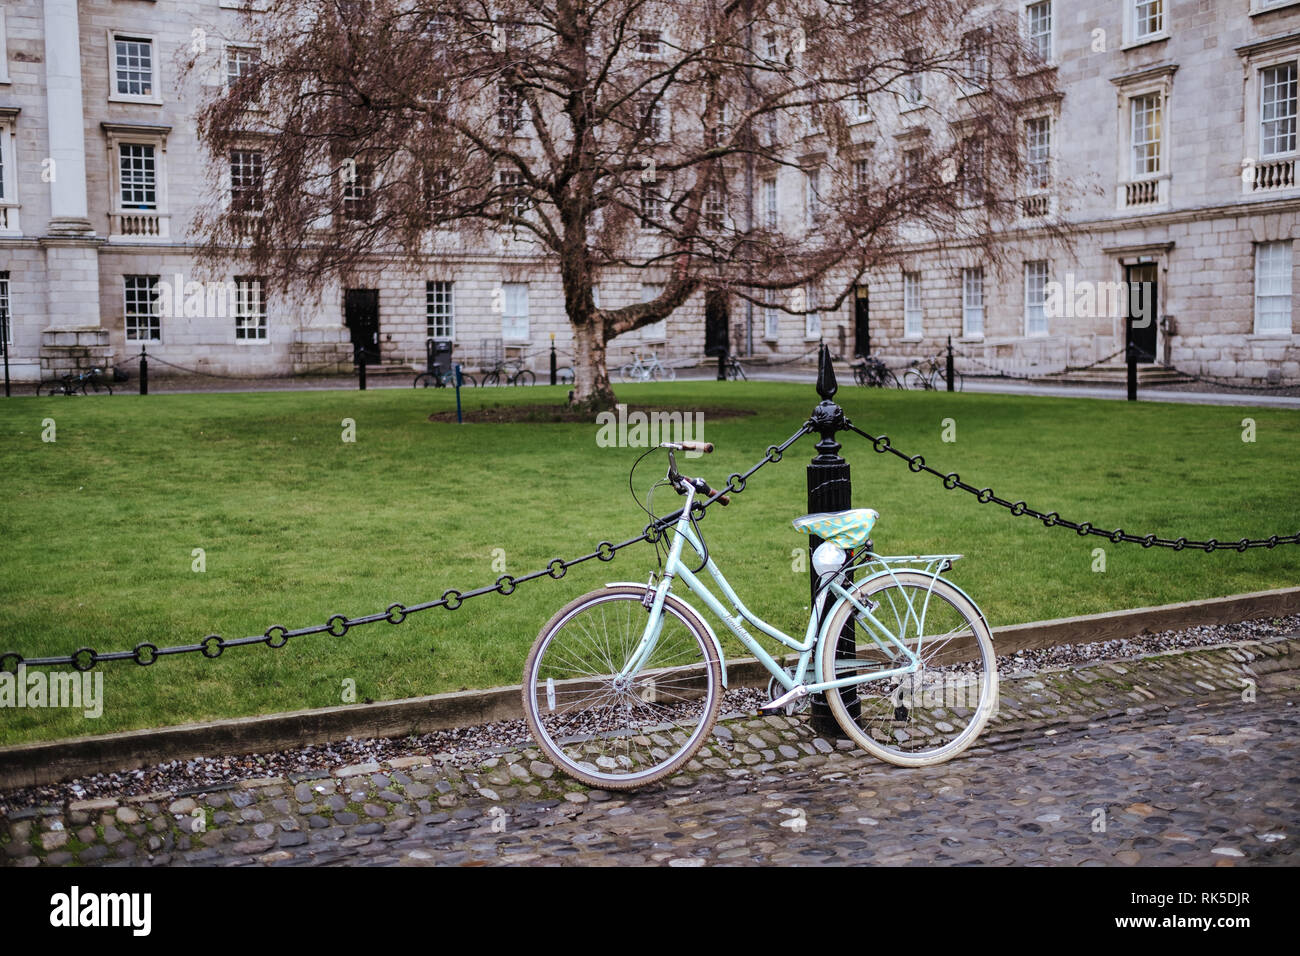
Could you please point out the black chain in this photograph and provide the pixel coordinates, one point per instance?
(999, 373)
(952, 480)
(338, 625)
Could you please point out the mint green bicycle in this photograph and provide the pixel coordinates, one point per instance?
(623, 685)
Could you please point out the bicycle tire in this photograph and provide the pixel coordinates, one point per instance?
(626, 373)
(953, 662)
(524, 377)
(49, 388)
(860, 375)
(424, 380)
(467, 379)
(491, 379)
(669, 372)
(892, 381)
(565, 376)
(625, 736)
(914, 380)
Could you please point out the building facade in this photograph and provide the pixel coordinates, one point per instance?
(1171, 152)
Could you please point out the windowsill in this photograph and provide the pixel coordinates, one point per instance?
(912, 338)
(1036, 335)
(1030, 69)
(1273, 8)
(136, 100)
(965, 337)
(1146, 40)
(910, 107)
(1271, 336)
(239, 342)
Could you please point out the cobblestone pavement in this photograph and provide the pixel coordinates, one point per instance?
(1171, 759)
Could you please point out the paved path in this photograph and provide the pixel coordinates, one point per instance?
(1183, 758)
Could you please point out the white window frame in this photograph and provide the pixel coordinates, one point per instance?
(650, 204)
(1278, 285)
(861, 98)
(812, 320)
(440, 310)
(656, 332)
(972, 302)
(653, 50)
(1294, 117)
(1131, 35)
(714, 214)
(154, 96)
(249, 311)
(1038, 172)
(813, 212)
(117, 135)
(255, 55)
(9, 204)
(913, 310)
(1161, 150)
(514, 193)
(771, 317)
(4, 50)
(976, 59)
(1031, 39)
(1035, 304)
(514, 311)
(1156, 82)
(654, 112)
(6, 313)
(155, 325)
(230, 178)
(771, 204)
(913, 81)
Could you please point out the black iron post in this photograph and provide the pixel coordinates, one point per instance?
(949, 370)
(144, 371)
(554, 377)
(722, 365)
(1132, 372)
(360, 358)
(829, 489)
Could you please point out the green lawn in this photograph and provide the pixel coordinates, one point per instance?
(99, 526)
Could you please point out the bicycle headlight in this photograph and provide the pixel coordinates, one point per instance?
(828, 558)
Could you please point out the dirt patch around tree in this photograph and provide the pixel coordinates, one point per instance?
(506, 414)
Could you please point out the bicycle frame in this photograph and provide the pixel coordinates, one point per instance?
(817, 621)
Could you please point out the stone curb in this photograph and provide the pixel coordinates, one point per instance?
(48, 762)
(352, 812)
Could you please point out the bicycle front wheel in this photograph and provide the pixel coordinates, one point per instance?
(934, 713)
(914, 379)
(628, 374)
(491, 379)
(621, 732)
(424, 380)
(525, 377)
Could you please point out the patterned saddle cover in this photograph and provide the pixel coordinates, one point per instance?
(849, 529)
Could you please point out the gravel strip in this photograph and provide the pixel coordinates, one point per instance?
(466, 747)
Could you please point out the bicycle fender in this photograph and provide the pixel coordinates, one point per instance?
(687, 609)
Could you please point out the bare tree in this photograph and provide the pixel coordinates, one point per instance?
(611, 135)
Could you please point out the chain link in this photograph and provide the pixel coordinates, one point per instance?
(951, 480)
(338, 625)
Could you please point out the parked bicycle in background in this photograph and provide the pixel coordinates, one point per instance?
(871, 372)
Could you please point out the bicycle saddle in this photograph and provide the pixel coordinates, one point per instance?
(849, 529)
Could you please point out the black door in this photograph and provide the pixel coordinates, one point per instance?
(1141, 311)
(861, 321)
(717, 340)
(361, 315)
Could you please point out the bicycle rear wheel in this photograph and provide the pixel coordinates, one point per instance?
(933, 714)
(914, 379)
(491, 378)
(628, 373)
(860, 375)
(613, 733)
(525, 377)
(424, 380)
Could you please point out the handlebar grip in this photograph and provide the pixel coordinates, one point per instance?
(723, 499)
(701, 446)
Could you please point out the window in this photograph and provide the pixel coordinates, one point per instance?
(1277, 110)
(913, 162)
(4, 51)
(912, 305)
(6, 332)
(240, 62)
(655, 331)
(440, 310)
(437, 191)
(862, 178)
(246, 177)
(977, 57)
(649, 44)
(514, 202)
(915, 89)
(1038, 29)
(770, 209)
(812, 320)
(652, 202)
(812, 198)
(8, 174)
(140, 310)
(358, 189)
(715, 208)
(1148, 19)
(1146, 134)
(973, 171)
(133, 68)
(1273, 287)
(250, 309)
(972, 302)
(771, 46)
(861, 97)
(1038, 152)
(514, 319)
(1035, 297)
(771, 316)
(137, 176)
(510, 109)
(653, 117)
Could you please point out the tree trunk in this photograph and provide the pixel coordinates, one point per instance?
(591, 385)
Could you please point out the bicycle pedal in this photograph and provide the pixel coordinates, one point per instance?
(796, 693)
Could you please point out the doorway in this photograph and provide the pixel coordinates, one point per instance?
(1141, 310)
(861, 321)
(717, 337)
(361, 315)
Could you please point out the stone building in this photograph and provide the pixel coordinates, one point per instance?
(1171, 152)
